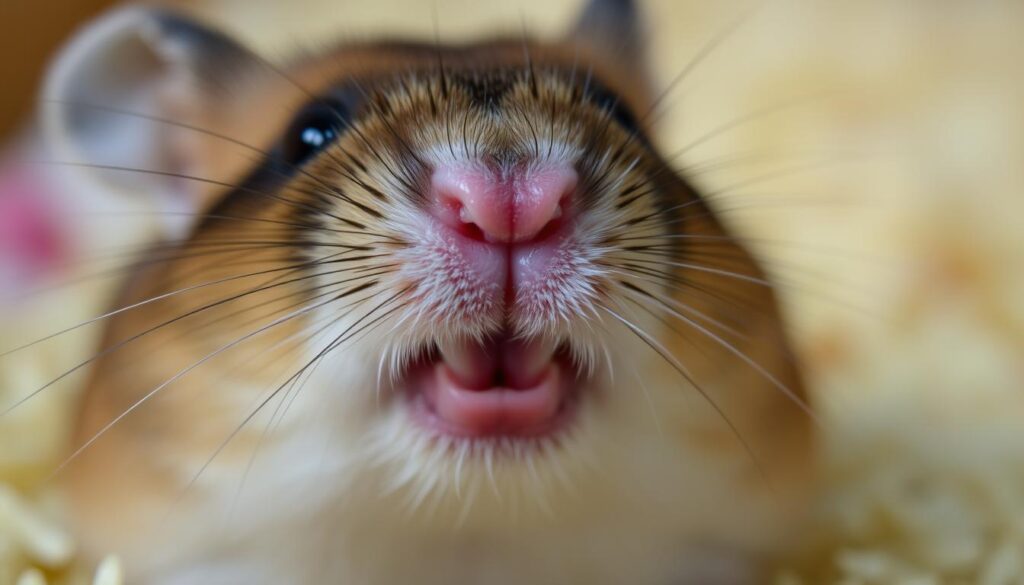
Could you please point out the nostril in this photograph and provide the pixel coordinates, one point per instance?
(473, 231)
(517, 206)
(564, 202)
(459, 217)
(544, 197)
(472, 201)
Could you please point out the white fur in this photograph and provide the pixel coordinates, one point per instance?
(352, 489)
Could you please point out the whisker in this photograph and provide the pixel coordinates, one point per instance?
(246, 219)
(170, 294)
(137, 336)
(306, 294)
(706, 51)
(684, 372)
(192, 367)
(202, 180)
(773, 380)
(738, 122)
(708, 269)
(704, 240)
(779, 281)
(335, 192)
(683, 307)
(338, 340)
(328, 322)
(152, 253)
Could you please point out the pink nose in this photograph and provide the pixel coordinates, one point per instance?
(502, 207)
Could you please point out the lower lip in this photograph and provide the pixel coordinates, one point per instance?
(485, 422)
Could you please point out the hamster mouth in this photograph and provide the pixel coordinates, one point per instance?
(499, 388)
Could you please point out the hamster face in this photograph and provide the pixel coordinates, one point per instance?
(454, 305)
(504, 216)
(496, 230)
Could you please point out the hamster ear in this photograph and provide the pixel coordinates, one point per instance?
(614, 30)
(158, 66)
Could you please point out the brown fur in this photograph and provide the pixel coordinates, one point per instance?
(124, 472)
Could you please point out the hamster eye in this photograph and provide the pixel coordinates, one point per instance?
(316, 127)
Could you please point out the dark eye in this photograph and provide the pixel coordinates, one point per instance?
(315, 128)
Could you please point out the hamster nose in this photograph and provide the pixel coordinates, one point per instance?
(512, 207)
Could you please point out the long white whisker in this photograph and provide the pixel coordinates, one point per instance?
(774, 381)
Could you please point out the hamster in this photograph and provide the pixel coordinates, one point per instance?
(435, 314)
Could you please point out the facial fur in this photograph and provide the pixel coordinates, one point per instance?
(264, 382)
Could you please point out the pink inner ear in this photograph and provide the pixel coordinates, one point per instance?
(33, 241)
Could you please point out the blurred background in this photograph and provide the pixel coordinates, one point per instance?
(871, 152)
(32, 31)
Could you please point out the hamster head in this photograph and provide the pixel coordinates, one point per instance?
(448, 289)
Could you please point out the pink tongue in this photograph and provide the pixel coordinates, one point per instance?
(520, 364)
(496, 410)
(461, 388)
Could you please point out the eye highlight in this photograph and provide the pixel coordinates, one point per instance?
(317, 126)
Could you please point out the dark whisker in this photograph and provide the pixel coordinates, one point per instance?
(333, 190)
(306, 295)
(122, 343)
(203, 180)
(107, 315)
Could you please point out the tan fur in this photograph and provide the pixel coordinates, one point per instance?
(736, 489)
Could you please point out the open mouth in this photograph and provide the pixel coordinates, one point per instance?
(499, 388)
